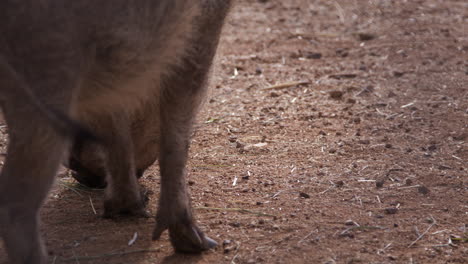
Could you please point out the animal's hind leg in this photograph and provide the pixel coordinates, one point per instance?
(33, 159)
(34, 153)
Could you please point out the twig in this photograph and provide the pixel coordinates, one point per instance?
(285, 85)
(340, 11)
(425, 232)
(361, 228)
(307, 236)
(86, 258)
(323, 192)
(70, 188)
(92, 205)
(410, 187)
(234, 258)
(134, 238)
(240, 210)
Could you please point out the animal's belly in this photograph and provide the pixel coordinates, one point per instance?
(99, 97)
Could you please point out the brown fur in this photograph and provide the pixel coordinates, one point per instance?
(118, 68)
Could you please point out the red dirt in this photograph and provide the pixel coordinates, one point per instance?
(364, 162)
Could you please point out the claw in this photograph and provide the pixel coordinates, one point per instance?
(186, 239)
(190, 240)
(210, 243)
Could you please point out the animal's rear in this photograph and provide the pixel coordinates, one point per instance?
(97, 60)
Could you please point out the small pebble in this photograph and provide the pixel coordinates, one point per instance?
(366, 36)
(398, 74)
(339, 183)
(314, 55)
(336, 94)
(364, 141)
(408, 182)
(304, 195)
(423, 189)
(379, 183)
(235, 224)
(391, 210)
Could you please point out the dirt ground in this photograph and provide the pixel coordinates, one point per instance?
(334, 132)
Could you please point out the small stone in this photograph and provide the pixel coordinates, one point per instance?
(227, 242)
(336, 94)
(423, 189)
(339, 183)
(349, 235)
(322, 133)
(443, 167)
(314, 55)
(379, 183)
(398, 74)
(258, 71)
(342, 52)
(304, 195)
(429, 220)
(235, 224)
(366, 36)
(364, 141)
(273, 94)
(408, 181)
(391, 210)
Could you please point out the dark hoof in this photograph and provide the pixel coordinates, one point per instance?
(193, 242)
(186, 239)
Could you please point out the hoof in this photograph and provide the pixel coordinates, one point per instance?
(186, 238)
